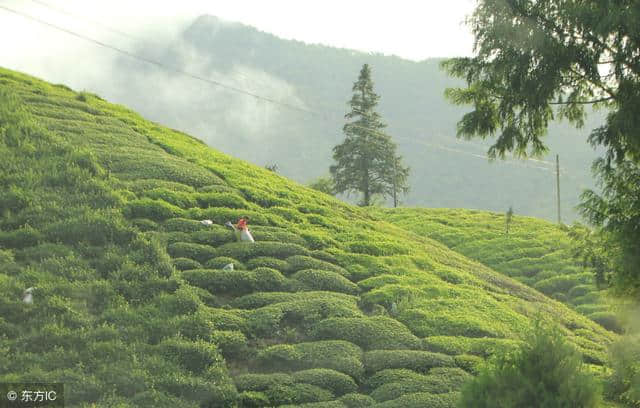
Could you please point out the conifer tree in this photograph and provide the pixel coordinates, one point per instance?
(367, 161)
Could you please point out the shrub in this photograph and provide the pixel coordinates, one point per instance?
(318, 240)
(262, 299)
(392, 376)
(232, 344)
(98, 229)
(253, 399)
(422, 400)
(236, 283)
(244, 251)
(580, 290)
(268, 280)
(298, 394)
(311, 279)
(266, 234)
(544, 371)
(194, 356)
(562, 283)
(232, 283)
(220, 262)
(623, 383)
(227, 320)
(469, 363)
(420, 361)
(299, 262)
(42, 251)
(220, 199)
(357, 400)
(608, 320)
(261, 382)
(324, 256)
(482, 346)
(213, 236)
(333, 354)
(20, 238)
(336, 382)
(379, 248)
(182, 225)
(369, 332)
(178, 198)
(301, 313)
(200, 253)
(265, 261)
(184, 264)
(157, 210)
(144, 224)
(220, 215)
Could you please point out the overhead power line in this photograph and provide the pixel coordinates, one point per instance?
(93, 21)
(232, 88)
(162, 65)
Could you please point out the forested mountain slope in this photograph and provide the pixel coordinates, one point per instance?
(100, 213)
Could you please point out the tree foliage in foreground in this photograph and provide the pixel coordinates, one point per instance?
(545, 371)
(367, 161)
(547, 59)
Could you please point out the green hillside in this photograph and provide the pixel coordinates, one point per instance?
(445, 172)
(100, 212)
(535, 252)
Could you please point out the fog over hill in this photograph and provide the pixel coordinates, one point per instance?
(305, 89)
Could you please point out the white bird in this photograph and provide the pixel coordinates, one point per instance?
(206, 222)
(27, 295)
(228, 267)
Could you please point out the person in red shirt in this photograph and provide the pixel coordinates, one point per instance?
(242, 223)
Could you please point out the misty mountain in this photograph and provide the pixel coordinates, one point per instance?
(298, 116)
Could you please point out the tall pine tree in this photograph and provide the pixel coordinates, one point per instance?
(367, 161)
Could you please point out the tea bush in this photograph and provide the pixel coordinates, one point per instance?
(483, 346)
(184, 264)
(608, 320)
(244, 251)
(420, 361)
(299, 262)
(215, 199)
(193, 356)
(220, 262)
(232, 344)
(337, 355)
(182, 225)
(311, 279)
(357, 400)
(21, 238)
(421, 400)
(371, 333)
(42, 251)
(177, 198)
(336, 382)
(267, 262)
(213, 236)
(157, 210)
(563, 283)
(197, 252)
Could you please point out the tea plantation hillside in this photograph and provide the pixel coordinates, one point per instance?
(534, 252)
(100, 212)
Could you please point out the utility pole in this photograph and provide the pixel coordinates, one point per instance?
(395, 172)
(558, 186)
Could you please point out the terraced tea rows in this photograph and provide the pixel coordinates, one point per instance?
(535, 252)
(329, 307)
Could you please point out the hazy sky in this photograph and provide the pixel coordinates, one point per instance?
(410, 29)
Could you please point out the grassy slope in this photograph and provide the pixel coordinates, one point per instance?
(535, 252)
(131, 307)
